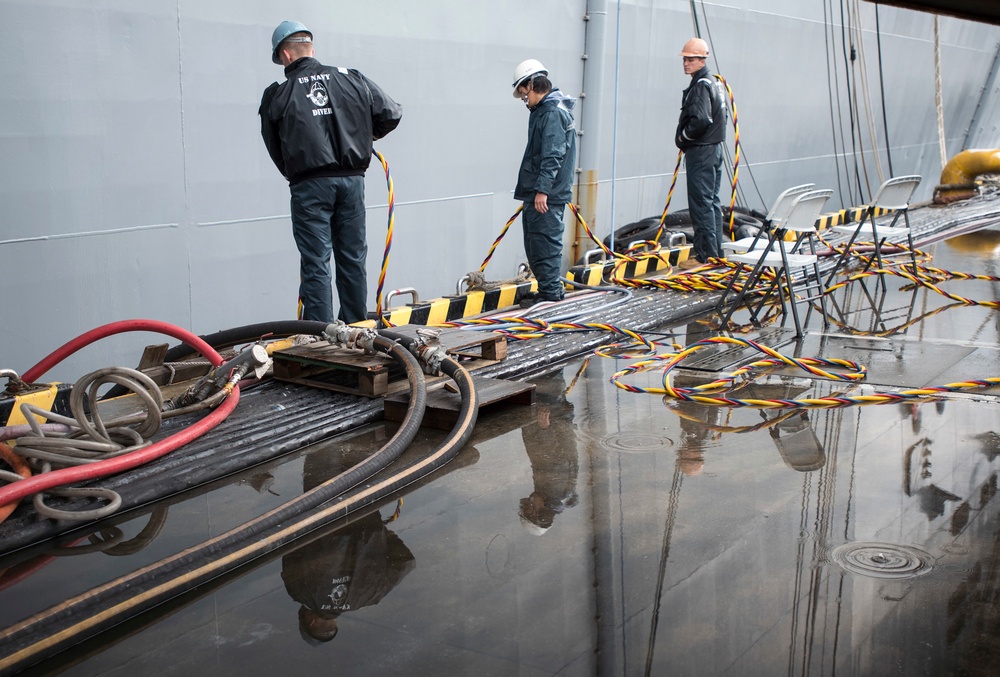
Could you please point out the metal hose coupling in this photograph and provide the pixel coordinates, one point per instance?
(341, 334)
(429, 350)
(225, 376)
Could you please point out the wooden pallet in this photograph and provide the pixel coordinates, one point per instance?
(322, 365)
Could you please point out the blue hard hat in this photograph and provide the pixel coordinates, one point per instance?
(284, 29)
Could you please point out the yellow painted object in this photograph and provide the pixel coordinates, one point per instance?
(42, 399)
(958, 178)
(280, 344)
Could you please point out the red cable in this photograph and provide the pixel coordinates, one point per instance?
(75, 474)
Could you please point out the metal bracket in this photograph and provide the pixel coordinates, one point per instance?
(405, 290)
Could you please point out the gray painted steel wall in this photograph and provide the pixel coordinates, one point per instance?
(136, 184)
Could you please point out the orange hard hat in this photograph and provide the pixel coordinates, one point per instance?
(695, 47)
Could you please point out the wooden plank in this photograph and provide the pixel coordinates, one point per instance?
(443, 405)
(152, 356)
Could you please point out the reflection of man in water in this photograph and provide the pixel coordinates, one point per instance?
(551, 446)
(351, 568)
(796, 440)
(696, 419)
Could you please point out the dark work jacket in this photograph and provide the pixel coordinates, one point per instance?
(351, 568)
(703, 112)
(549, 162)
(321, 120)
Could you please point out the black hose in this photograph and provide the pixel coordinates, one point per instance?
(58, 627)
(55, 629)
(249, 333)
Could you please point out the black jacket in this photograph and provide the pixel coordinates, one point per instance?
(703, 112)
(549, 162)
(321, 121)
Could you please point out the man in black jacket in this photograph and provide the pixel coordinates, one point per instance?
(318, 127)
(545, 179)
(701, 132)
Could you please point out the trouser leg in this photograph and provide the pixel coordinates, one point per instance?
(350, 248)
(543, 234)
(704, 176)
(312, 210)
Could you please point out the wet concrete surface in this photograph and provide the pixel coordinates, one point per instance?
(603, 532)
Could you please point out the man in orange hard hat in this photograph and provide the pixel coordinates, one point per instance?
(701, 132)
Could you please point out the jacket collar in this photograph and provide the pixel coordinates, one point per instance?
(702, 73)
(299, 63)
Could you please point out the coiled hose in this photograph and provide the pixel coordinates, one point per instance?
(92, 612)
(75, 474)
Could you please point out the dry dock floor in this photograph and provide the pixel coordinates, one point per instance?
(604, 532)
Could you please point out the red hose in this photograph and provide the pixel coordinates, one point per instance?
(121, 327)
(75, 474)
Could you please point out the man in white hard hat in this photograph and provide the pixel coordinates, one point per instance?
(545, 178)
(550, 443)
(701, 132)
(318, 126)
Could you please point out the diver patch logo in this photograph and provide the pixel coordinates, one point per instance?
(318, 95)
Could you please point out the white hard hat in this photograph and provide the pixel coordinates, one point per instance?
(525, 70)
(532, 528)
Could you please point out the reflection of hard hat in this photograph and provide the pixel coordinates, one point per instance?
(536, 517)
(525, 70)
(317, 626)
(691, 462)
(695, 47)
(532, 528)
(281, 33)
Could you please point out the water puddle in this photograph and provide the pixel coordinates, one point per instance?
(882, 560)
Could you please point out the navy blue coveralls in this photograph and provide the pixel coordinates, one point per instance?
(548, 167)
(701, 132)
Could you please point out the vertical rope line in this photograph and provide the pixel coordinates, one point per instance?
(614, 121)
(881, 86)
(937, 92)
(866, 92)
